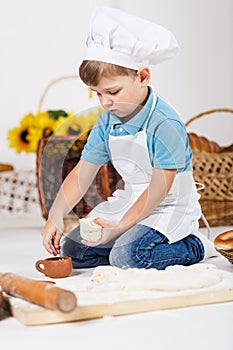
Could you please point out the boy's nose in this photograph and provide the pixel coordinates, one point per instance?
(106, 102)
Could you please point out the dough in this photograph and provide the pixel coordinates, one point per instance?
(89, 230)
(173, 278)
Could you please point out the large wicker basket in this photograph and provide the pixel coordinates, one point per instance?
(215, 171)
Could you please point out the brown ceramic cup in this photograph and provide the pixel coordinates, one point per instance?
(56, 267)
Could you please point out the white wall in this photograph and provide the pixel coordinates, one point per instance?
(43, 40)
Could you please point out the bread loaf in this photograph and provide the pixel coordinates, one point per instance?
(201, 143)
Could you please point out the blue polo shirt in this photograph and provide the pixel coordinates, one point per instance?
(167, 140)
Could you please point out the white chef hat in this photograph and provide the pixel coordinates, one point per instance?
(125, 40)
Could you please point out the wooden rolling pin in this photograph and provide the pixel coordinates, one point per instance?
(42, 293)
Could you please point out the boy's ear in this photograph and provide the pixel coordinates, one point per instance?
(144, 75)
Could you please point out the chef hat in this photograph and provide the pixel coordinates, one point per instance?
(126, 40)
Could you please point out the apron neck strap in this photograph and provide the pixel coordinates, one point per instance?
(150, 113)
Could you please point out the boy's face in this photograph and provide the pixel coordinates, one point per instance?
(121, 95)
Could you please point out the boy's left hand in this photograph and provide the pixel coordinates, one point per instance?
(110, 230)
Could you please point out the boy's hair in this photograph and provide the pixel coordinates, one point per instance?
(91, 71)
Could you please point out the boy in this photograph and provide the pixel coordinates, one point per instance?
(153, 221)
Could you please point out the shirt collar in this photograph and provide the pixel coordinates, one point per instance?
(137, 122)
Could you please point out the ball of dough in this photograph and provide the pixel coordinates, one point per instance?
(89, 230)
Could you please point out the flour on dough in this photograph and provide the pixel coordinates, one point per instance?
(89, 230)
(173, 278)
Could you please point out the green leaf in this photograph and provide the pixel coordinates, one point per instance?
(56, 114)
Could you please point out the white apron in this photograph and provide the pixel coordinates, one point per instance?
(176, 216)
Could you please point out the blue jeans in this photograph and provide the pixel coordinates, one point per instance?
(140, 246)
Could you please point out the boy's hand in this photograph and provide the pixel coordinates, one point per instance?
(110, 230)
(51, 238)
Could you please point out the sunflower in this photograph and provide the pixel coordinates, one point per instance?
(67, 126)
(33, 127)
(43, 122)
(43, 125)
(18, 136)
(79, 125)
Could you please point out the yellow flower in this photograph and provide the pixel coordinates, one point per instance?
(18, 136)
(79, 125)
(66, 126)
(43, 123)
(34, 136)
(33, 127)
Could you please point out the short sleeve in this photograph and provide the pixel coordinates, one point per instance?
(170, 145)
(96, 148)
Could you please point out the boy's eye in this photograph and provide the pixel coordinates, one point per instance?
(113, 92)
(109, 92)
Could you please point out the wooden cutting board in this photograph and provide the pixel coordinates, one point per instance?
(29, 314)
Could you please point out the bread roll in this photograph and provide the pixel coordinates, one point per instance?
(224, 241)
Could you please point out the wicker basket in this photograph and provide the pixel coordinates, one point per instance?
(56, 157)
(215, 172)
(228, 254)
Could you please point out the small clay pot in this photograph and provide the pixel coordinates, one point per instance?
(56, 267)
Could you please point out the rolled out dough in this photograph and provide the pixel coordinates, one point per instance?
(89, 230)
(173, 278)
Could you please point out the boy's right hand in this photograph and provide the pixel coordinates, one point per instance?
(51, 238)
